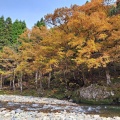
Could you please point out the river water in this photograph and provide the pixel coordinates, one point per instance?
(102, 110)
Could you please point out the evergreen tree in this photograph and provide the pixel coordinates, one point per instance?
(87, 2)
(40, 23)
(8, 31)
(2, 32)
(18, 28)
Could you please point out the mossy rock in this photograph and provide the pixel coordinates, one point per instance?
(95, 92)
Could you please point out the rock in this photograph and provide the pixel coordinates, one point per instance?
(74, 114)
(117, 118)
(96, 116)
(7, 114)
(70, 100)
(13, 112)
(18, 110)
(17, 115)
(35, 105)
(95, 92)
(2, 109)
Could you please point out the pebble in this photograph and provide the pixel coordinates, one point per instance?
(19, 114)
(51, 116)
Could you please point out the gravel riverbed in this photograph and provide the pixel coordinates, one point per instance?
(53, 109)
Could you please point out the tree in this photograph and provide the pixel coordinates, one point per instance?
(40, 23)
(108, 2)
(2, 32)
(32, 52)
(8, 31)
(94, 33)
(8, 63)
(83, 41)
(60, 18)
(18, 28)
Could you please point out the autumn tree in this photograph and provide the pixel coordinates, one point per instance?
(8, 63)
(33, 52)
(88, 39)
(82, 39)
(95, 33)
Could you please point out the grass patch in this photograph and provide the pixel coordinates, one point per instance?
(100, 102)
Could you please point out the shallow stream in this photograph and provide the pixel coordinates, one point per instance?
(103, 110)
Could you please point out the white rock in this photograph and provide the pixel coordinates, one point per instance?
(19, 114)
(1, 109)
(12, 112)
(7, 114)
(96, 116)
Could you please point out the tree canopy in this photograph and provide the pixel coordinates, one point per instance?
(81, 48)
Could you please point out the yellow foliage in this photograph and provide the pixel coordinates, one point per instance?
(102, 36)
(69, 53)
(53, 61)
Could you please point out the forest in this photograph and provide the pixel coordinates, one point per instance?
(69, 49)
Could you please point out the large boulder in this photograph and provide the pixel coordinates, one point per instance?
(95, 92)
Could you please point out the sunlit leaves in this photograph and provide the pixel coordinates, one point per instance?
(81, 38)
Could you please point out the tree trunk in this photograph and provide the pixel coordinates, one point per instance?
(36, 79)
(84, 78)
(108, 76)
(66, 83)
(18, 84)
(1, 81)
(40, 79)
(13, 80)
(21, 85)
(115, 72)
(49, 78)
(74, 76)
(10, 84)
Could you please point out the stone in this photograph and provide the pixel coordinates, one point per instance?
(75, 114)
(7, 114)
(96, 116)
(13, 112)
(95, 92)
(18, 110)
(2, 109)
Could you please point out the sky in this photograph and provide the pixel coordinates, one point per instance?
(32, 10)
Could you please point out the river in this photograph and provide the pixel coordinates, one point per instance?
(102, 110)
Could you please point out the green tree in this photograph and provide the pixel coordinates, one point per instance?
(18, 28)
(2, 32)
(40, 23)
(8, 31)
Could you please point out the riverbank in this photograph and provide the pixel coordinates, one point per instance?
(23, 115)
(31, 99)
(59, 113)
